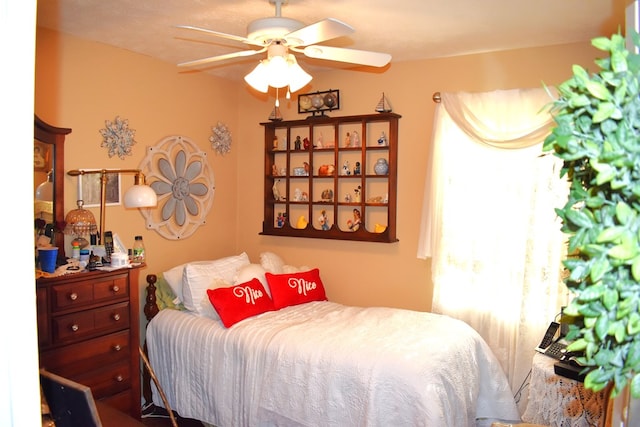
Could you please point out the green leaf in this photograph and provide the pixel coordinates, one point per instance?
(598, 90)
(610, 234)
(635, 268)
(633, 327)
(624, 212)
(579, 218)
(605, 110)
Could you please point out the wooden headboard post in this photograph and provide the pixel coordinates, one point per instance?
(150, 310)
(151, 307)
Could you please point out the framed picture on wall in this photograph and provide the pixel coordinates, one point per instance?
(41, 156)
(89, 185)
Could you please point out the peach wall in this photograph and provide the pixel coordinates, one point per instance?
(80, 84)
(390, 274)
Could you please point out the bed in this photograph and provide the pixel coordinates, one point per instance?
(303, 360)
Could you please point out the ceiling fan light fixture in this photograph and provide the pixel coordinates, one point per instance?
(298, 78)
(257, 78)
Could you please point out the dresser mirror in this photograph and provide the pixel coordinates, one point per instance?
(48, 174)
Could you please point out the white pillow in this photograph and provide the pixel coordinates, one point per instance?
(271, 262)
(207, 309)
(173, 278)
(252, 271)
(198, 277)
(288, 269)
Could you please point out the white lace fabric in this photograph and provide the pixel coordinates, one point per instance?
(557, 401)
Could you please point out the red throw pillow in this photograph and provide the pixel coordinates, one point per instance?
(239, 302)
(295, 288)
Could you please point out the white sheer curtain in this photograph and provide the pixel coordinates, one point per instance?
(489, 224)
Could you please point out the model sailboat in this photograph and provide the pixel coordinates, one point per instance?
(383, 105)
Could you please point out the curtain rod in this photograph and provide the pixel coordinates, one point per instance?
(436, 97)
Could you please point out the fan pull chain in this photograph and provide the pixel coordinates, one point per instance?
(277, 99)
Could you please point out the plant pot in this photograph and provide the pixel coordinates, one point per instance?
(623, 410)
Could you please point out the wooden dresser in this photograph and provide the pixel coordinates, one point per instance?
(88, 331)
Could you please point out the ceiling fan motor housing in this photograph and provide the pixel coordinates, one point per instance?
(266, 30)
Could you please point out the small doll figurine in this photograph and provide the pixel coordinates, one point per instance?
(274, 170)
(355, 224)
(355, 139)
(345, 168)
(357, 193)
(323, 220)
(297, 143)
(383, 139)
(347, 140)
(356, 169)
(275, 142)
(306, 143)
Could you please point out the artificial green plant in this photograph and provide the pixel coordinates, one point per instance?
(597, 135)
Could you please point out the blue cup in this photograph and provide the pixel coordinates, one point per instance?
(48, 257)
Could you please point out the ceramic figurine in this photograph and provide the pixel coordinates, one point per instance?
(274, 170)
(297, 143)
(345, 168)
(357, 193)
(297, 195)
(276, 191)
(383, 139)
(347, 198)
(324, 220)
(356, 169)
(275, 142)
(347, 140)
(306, 143)
(319, 141)
(354, 224)
(355, 139)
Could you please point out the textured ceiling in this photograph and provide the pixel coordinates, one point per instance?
(407, 29)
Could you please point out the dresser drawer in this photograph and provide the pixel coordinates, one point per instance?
(83, 293)
(82, 324)
(77, 358)
(107, 380)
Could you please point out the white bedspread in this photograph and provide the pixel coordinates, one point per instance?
(325, 364)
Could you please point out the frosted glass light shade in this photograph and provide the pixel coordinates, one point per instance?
(140, 196)
(257, 78)
(298, 78)
(278, 72)
(44, 191)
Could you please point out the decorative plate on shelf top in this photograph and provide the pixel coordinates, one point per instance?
(318, 103)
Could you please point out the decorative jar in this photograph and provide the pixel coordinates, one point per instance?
(381, 167)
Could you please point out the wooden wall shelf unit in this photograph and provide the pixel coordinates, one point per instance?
(306, 185)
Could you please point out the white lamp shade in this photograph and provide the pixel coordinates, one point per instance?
(278, 72)
(45, 191)
(257, 79)
(298, 78)
(140, 196)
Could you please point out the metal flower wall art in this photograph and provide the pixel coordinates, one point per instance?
(117, 138)
(180, 175)
(220, 138)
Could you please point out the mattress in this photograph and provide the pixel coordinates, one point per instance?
(322, 363)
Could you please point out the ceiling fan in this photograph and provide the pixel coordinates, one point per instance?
(277, 35)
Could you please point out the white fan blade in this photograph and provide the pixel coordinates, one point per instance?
(326, 29)
(223, 35)
(221, 57)
(362, 57)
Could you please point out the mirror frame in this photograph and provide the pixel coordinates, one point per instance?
(49, 134)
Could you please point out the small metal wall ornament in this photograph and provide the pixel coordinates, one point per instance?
(317, 103)
(117, 138)
(220, 138)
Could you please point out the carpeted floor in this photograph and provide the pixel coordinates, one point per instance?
(158, 417)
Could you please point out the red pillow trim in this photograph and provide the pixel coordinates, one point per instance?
(239, 302)
(295, 288)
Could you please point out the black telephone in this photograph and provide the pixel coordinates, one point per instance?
(556, 348)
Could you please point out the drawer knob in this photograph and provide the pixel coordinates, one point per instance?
(117, 347)
(119, 378)
(115, 288)
(75, 327)
(73, 296)
(116, 316)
